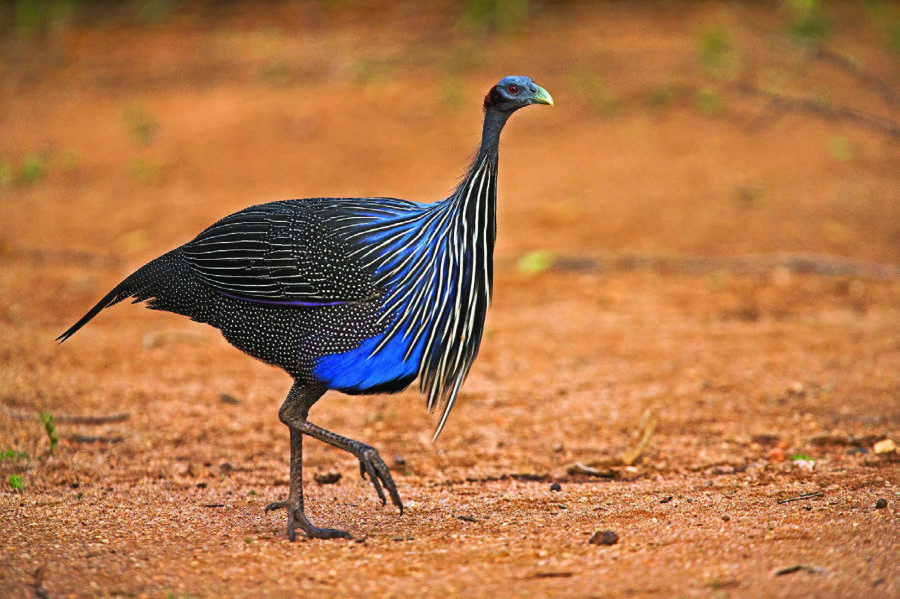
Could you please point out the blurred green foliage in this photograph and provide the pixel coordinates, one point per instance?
(33, 169)
(453, 93)
(11, 455)
(660, 97)
(16, 483)
(145, 171)
(504, 16)
(839, 148)
(153, 12)
(50, 429)
(535, 262)
(35, 18)
(717, 52)
(708, 102)
(7, 176)
(591, 84)
(142, 127)
(807, 22)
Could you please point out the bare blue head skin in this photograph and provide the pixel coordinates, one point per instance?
(509, 95)
(515, 92)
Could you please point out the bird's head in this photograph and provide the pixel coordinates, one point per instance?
(515, 92)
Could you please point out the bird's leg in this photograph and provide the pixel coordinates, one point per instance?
(294, 412)
(294, 503)
(369, 461)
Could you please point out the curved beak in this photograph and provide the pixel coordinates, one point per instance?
(542, 96)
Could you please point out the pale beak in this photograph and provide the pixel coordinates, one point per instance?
(542, 96)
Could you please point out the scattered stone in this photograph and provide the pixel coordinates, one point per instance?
(399, 461)
(666, 499)
(726, 517)
(765, 439)
(466, 518)
(225, 469)
(801, 497)
(832, 438)
(604, 537)
(796, 389)
(556, 487)
(553, 574)
(885, 446)
(798, 568)
(579, 468)
(808, 465)
(881, 503)
(720, 470)
(229, 399)
(327, 478)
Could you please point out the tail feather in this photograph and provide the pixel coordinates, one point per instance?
(139, 285)
(113, 297)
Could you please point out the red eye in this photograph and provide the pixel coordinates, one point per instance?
(513, 89)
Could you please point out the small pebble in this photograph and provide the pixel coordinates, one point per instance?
(327, 478)
(666, 499)
(400, 461)
(881, 503)
(726, 517)
(604, 537)
(556, 487)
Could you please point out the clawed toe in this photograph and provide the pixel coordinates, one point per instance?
(370, 463)
(297, 519)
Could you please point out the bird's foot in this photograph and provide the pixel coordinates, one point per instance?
(371, 463)
(296, 518)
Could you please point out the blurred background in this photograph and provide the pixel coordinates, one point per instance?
(697, 291)
(699, 128)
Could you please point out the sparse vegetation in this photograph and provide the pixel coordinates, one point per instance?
(36, 18)
(142, 127)
(50, 429)
(535, 262)
(16, 483)
(708, 102)
(839, 148)
(12, 455)
(7, 177)
(592, 86)
(716, 51)
(807, 22)
(145, 171)
(504, 16)
(33, 168)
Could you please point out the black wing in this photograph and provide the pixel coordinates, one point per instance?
(279, 253)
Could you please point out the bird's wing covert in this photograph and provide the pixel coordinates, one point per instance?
(279, 253)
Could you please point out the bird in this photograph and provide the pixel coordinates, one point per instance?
(357, 295)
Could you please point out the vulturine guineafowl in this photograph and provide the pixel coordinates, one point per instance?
(361, 295)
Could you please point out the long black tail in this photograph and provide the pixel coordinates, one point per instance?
(140, 285)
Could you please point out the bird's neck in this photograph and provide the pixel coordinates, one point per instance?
(494, 120)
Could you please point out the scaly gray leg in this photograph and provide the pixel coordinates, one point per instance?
(293, 413)
(294, 503)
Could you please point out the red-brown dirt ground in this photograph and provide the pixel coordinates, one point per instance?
(674, 249)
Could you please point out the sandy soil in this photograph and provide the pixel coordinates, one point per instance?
(144, 135)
